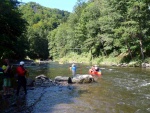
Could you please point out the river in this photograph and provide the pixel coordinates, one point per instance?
(119, 90)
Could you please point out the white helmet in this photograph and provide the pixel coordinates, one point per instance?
(22, 63)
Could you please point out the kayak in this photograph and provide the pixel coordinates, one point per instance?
(95, 73)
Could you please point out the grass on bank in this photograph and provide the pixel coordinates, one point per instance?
(102, 60)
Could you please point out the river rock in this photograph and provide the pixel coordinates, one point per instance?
(43, 80)
(144, 65)
(77, 79)
(83, 78)
(61, 79)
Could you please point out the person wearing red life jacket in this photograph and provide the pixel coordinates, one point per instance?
(21, 71)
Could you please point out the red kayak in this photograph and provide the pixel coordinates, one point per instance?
(95, 73)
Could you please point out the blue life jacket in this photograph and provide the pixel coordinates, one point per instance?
(74, 68)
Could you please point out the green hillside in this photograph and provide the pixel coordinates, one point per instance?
(97, 29)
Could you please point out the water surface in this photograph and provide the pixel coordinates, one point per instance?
(120, 90)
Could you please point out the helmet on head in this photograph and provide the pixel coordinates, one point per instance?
(22, 63)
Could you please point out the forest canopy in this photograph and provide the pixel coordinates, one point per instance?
(12, 27)
(103, 28)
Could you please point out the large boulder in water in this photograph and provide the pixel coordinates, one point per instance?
(83, 78)
(77, 79)
(43, 80)
(42, 77)
(61, 79)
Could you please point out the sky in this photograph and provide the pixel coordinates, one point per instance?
(66, 5)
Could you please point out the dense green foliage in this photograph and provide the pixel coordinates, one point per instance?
(24, 29)
(41, 21)
(12, 27)
(105, 28)
(102, 28)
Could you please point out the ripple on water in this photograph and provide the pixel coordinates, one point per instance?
(120, 90)
(144, 84)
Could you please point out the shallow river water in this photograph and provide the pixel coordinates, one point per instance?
(119, 90)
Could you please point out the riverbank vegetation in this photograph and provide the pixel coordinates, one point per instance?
(107, 61)
(97, 31)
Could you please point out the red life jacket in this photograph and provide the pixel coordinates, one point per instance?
(20, 71)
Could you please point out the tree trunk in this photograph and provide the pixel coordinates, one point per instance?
(129, 50)
(141, 47)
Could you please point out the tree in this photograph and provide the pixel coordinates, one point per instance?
(133, 27)
(12, 26)
(42, 21)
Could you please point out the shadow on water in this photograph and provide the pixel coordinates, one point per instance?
(41, 99)
(38, 100)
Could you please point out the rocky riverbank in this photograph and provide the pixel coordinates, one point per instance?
(41, 86)
(143, 65)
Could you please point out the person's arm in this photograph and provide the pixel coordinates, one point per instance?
(24, 70)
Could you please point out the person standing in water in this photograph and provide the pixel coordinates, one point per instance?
(73, 69)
